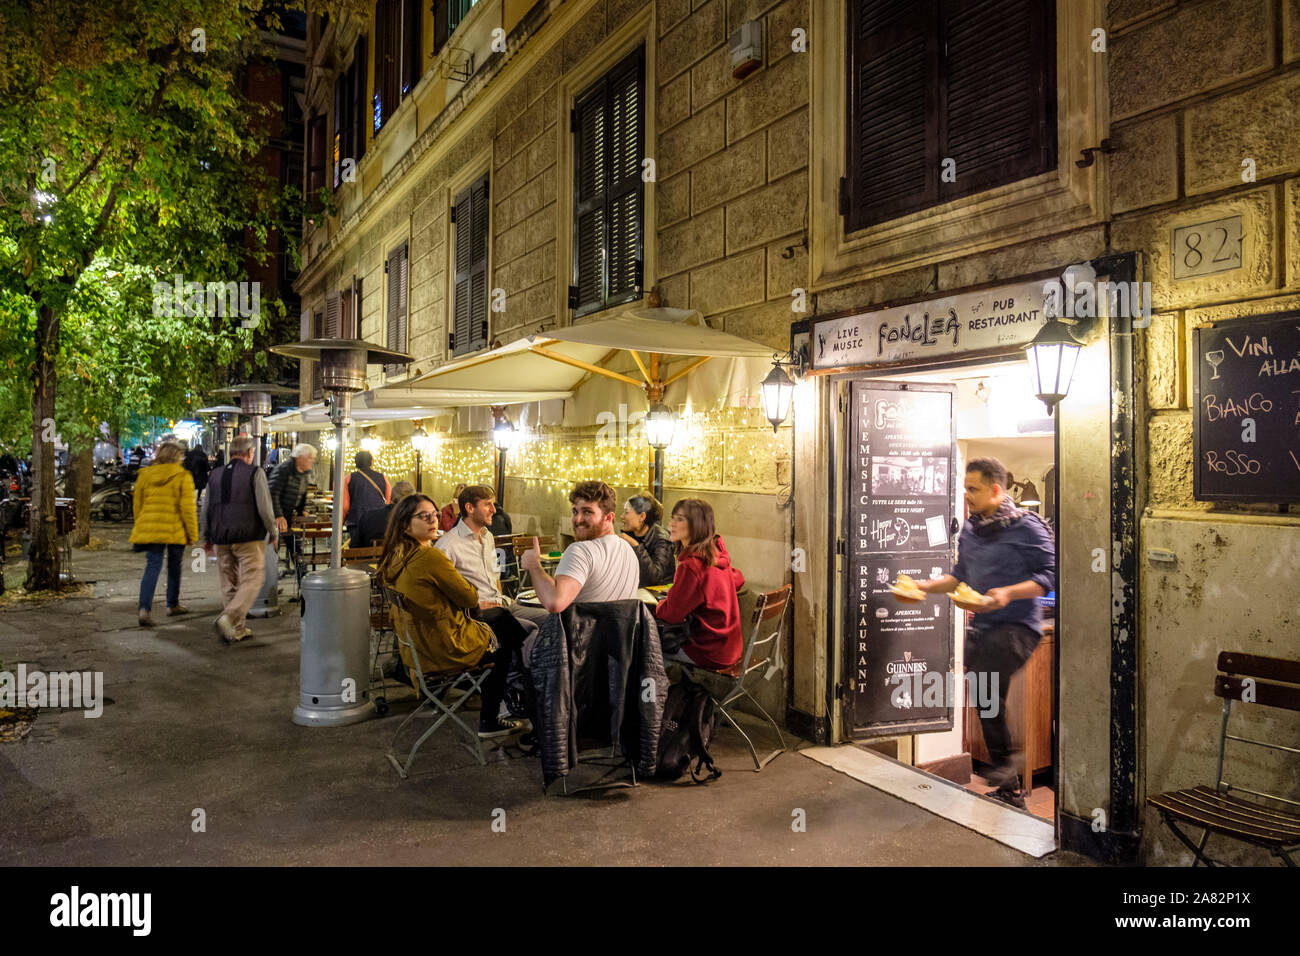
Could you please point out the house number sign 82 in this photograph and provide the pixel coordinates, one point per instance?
(1207, 247)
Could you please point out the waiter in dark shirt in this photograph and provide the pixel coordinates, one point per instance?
(1007, 554)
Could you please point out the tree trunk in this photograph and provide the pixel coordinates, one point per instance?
(80, 485)
(43, 567)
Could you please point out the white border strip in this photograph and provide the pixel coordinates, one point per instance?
(1017, 829)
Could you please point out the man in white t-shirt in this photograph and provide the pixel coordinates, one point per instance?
(599, 566)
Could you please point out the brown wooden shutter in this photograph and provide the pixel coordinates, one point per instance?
(333, 306)
(997, 118)
(315, 159)
(590, 172)
(412, 62)
(441, 10)
(893, 139)
(626, 109)
(932, 80)
(398, 292)
(318, 331)
(609, 126)
(470, 306)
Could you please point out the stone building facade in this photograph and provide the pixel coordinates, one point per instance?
(741, 217)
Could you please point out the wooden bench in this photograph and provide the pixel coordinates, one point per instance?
(1264, 819)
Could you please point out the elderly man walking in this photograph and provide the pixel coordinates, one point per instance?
(289, 492)
(238, 519)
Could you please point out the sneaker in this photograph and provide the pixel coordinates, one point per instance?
(146, 619)
(1011, 797)
(225, 629)
(529, 743)
(177, 609)
(502, 728)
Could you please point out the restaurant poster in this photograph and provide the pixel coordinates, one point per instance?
(900, 520)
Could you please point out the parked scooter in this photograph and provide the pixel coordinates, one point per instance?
(113, 502)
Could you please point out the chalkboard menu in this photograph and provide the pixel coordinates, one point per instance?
(1246, 427)
(900, 509)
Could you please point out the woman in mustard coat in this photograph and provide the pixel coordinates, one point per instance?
(166, 520)
(446, 635)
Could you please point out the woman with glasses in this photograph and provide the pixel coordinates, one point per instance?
(446, 634)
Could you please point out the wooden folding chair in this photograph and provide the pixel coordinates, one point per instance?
(1248, 678)
(434, 688)
(762, 643)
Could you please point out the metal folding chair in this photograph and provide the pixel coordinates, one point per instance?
(434, 689)
(383, 641)
(763, 642)
(1267, 820)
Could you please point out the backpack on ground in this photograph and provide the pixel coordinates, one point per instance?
(686, 732)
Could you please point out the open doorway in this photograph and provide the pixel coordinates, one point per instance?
(993, 413)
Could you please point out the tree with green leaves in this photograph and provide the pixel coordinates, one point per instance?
(129, 157)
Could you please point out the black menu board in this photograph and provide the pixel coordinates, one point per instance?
(1246, 426)
(900, 508)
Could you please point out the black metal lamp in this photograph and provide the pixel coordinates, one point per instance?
(1052, 357)
(778, 388)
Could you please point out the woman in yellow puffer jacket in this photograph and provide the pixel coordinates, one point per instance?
(166, 520)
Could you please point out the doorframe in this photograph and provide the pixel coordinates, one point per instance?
(1120, 840)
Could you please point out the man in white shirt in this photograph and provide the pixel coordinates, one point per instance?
(471, 547)
(598, 566)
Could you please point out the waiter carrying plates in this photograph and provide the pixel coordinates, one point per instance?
(1008, 554)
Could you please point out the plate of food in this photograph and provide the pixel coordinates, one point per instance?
(906, 590)
(967, 598)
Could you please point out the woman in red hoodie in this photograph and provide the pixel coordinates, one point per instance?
(704, 588)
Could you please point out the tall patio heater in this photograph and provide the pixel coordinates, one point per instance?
(334, 669)
(225, 418)
(255, 402)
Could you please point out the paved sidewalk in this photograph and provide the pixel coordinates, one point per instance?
(194, 725)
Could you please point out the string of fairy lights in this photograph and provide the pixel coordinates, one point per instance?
(732, 449)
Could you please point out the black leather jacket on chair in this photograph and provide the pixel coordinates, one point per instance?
(589, 665)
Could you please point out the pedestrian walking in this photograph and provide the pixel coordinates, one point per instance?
(288, 485)
(165, 523)
(196, 463)
(238, 519)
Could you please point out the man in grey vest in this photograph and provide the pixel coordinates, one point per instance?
(237, 517)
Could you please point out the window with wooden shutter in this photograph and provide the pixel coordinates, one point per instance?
(333, 314)
(339, 146)
(398, 55)
(608, 123)
(395, 266)
(318, 331)
(315, 159)
(350, 310)
(469, 327)
(412, 63)
(357, 81)
(349, 114)
(939, 80)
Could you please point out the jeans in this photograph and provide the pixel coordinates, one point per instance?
(153, 567)
(1000, 650)
(510, 636)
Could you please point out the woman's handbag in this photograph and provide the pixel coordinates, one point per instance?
(673, 636)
